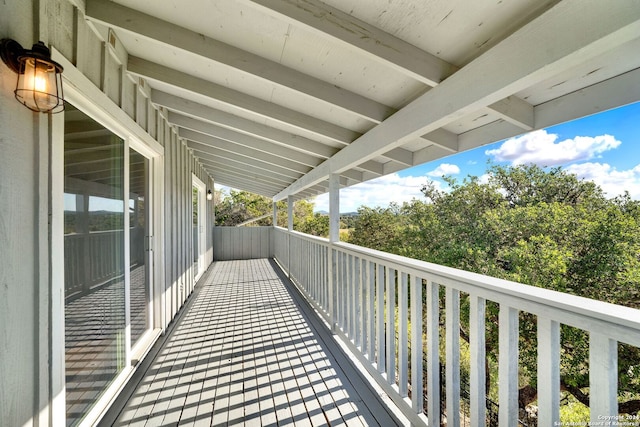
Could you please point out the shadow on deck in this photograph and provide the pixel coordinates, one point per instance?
(249, 351)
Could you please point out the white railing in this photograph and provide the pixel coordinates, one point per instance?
(92, 259)
(357, 289)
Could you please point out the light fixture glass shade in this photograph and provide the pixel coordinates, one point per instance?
(39, 86)
(209, 195)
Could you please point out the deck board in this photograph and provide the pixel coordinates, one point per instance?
(246, 354)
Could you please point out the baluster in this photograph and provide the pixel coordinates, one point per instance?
(364, 274)
(548, 371)
(433, 353)
(380, 330)
(603, 376)
(370, 310)
(351, 307)
(508, 366)
(332, 275)
(357, 307)
(452, 320)
(403, 339)
(391, 330)
(477, 376)
(417, 394)
(343, 291)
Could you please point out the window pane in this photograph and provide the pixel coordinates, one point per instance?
(94, 261)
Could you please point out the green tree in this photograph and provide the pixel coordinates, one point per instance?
(378, 228)
(241, 206)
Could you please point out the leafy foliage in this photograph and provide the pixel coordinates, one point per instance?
(241, 206)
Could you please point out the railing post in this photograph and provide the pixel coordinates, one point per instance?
(334, 236)
(603, 377)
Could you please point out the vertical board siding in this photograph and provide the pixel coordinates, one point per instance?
(34, 381)
(243, 243)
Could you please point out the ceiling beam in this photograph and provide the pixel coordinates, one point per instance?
(240, 182)
(400, 155)
(444, 139)
(612, 93)
(216, 169)
(253, 173)
(375, 43)
(515, 111)
(244, 185)
(224, 164)
(233, 98)
(382, 47)
(372, 166)
(243, 139)
(520, 61)
(205, 152)
(118, 16)
(223, 145)
(211, 115)
(615, 92)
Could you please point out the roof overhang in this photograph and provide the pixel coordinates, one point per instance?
(275, 96)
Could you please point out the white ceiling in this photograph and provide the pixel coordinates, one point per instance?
(273, 96)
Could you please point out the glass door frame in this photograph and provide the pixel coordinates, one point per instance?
(202, 226)
(84, 95)
(142, 344)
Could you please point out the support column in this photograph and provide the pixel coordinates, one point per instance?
(289, 230)
(275, 214)
(334, 208)
(290, 213)
(334, 236)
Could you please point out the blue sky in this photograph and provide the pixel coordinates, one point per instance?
(604, 148)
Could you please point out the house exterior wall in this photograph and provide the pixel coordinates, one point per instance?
(20, 223)
(30, 301)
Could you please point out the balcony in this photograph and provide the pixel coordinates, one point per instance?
(249, 351)
(249, 347)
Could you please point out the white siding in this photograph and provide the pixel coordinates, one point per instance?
(25, 205)
(242, 243)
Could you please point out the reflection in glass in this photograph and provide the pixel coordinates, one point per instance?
(138, 223)
(94, 261)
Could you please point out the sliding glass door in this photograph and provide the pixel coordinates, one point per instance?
(107, 224)
(139, 259)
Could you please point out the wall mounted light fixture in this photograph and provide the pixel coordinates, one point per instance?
(39, 85)
(209, 195)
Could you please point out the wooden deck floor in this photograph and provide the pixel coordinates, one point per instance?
(247, 353)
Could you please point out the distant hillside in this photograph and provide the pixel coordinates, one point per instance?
(342, 214)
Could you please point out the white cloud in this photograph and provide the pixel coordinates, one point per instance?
(444, 169)
(611, 180)
(543, 149)
(377, 193)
